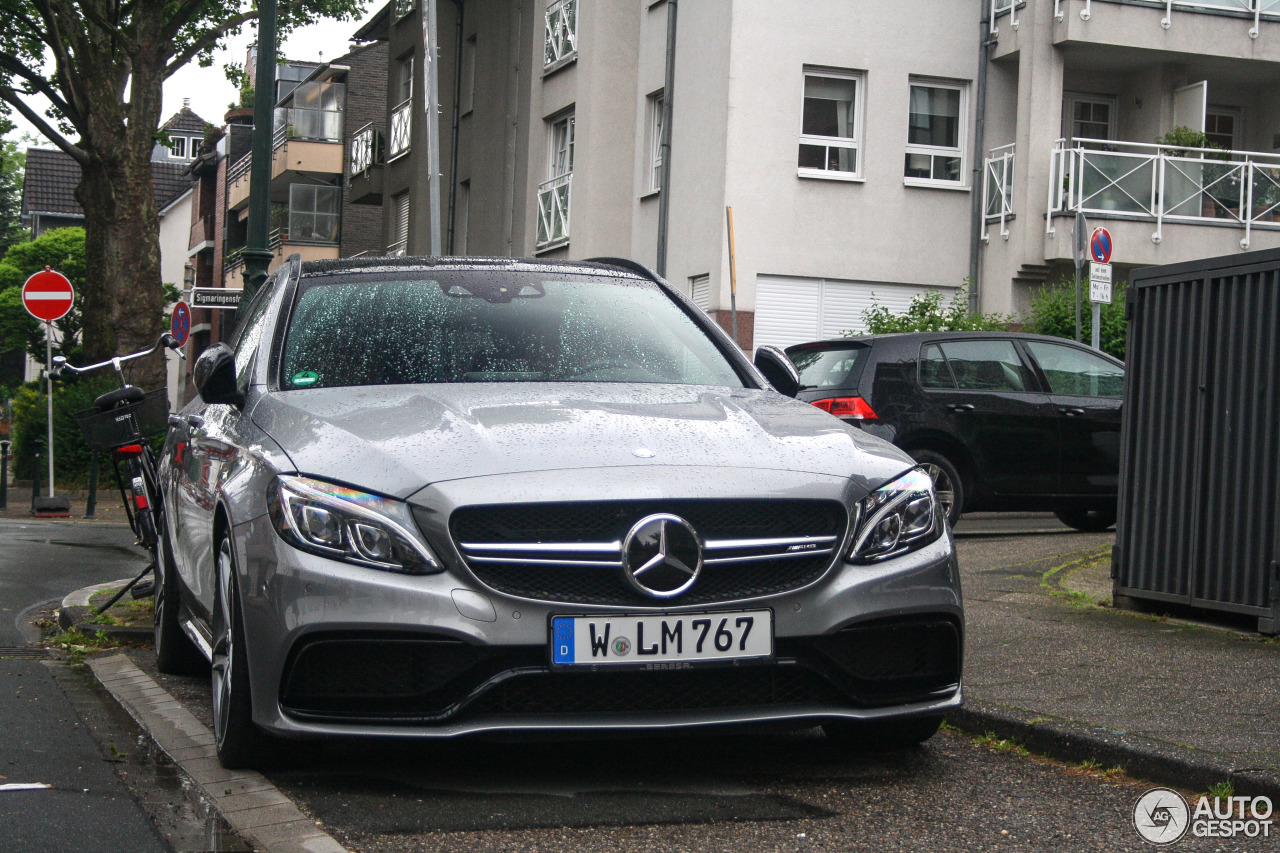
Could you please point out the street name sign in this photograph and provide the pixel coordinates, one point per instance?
(215, 298)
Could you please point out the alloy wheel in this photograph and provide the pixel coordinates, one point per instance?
(942, 486)
(223, 642)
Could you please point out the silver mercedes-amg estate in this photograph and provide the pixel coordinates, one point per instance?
(437, 497)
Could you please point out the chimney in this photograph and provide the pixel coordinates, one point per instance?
(186, 103)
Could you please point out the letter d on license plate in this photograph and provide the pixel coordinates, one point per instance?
(686, 638)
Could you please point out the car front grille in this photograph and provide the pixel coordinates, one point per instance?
(572, 552)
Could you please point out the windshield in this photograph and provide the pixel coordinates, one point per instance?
(493, 326)
(826, 365)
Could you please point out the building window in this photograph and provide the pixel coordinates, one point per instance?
(700, 291)
(1089, 117)
(313, 213)
(831, 125)
(466, 99)
(1222, 128)
(560, 43)
(178, 147)
(400, 224)
(554, 194)
(935, 129)
(654, 146)
(404, 80)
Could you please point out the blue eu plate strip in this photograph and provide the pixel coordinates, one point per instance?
(562, 640)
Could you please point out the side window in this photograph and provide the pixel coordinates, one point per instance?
(245, 342)
(1076, 372)
(985, 365)
(934, 372)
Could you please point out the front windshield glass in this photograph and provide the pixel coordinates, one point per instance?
(492, 326)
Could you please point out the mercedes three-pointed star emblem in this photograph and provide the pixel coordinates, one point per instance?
(662, 555)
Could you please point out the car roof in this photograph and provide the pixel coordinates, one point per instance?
(910, 337)
(617, 267)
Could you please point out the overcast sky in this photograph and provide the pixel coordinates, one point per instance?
(208, 89)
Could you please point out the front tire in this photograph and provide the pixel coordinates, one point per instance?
(1088, 520)
(239, 741)
(946, 482)
(881, 735)
(175, 654)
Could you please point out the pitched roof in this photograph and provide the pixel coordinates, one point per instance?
(49, 183)
(184, 119)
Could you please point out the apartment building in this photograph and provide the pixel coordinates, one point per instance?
(868, 150)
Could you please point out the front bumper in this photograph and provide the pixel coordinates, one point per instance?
(337, 649)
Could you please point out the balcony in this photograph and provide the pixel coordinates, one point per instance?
(201, 235)
(997, 190)
(1217, 201)
(365, 171)
(1223, 28)
(553, 212)
(306, 146)
(401, 124)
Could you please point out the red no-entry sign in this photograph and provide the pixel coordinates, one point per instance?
(47, 295)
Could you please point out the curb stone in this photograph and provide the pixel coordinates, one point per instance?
(75, 609)
(1140, 756)
(247, 800)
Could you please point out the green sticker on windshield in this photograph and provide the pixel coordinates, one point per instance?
(305, 377)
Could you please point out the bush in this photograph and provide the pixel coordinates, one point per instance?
(927, 314)
(71, 458)
(1053, 312)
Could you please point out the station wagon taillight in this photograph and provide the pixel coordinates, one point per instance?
(847, 407)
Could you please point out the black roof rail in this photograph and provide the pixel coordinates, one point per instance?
(627, 264)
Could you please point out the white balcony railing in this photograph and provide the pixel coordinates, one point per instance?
(366, 149)
(1159, 183)
(553, 212)
(398, 142)
(1257, 8)
(560, 42)
(1000, 7)
(997, 190)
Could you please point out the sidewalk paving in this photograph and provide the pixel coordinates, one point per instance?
(1173, 701)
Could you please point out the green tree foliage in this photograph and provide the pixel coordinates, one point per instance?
(13, 158)
(1053, 312)
(100, 65)
(927, 313)
(71, 458)
(63, 250)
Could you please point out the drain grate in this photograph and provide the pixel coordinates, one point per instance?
(23, 652)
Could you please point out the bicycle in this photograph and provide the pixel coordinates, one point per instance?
(120, 422)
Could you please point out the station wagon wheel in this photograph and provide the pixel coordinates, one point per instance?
(946, 482)
(238, 740)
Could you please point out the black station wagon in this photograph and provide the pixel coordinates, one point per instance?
(1002, 421)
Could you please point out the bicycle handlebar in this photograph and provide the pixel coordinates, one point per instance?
(165, 340)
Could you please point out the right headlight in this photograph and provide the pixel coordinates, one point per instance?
(900, 516)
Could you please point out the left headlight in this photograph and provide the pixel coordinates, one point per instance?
(344, 524)
(898, 517)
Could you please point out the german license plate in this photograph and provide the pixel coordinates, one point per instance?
(661, 640)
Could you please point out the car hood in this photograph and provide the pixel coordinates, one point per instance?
(397, 439)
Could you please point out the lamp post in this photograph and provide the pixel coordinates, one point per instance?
(257, 254)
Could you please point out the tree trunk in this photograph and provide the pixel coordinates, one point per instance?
(123, 299)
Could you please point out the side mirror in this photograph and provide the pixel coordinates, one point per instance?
(779, 370)
(214, 375)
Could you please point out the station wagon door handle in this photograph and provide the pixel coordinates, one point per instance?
(1070, 411)
(960, 407)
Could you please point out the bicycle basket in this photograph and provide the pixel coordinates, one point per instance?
(125, 424)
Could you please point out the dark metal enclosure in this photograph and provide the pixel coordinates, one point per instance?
(1199, 513)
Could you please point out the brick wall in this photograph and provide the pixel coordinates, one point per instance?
(366, 103)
